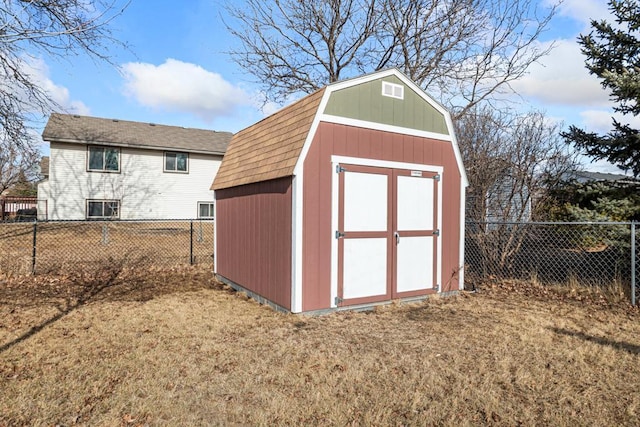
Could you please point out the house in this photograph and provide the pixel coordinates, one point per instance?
(116, 169)
(351, 196)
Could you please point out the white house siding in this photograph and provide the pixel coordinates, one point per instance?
(43, 195)
(145, 191)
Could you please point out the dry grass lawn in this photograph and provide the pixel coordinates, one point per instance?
(173, 347)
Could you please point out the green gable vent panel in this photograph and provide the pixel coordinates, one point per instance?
(367, 102)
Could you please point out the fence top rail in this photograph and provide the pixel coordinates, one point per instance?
(554, 222)
(113, 220)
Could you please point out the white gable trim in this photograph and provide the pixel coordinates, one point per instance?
(384, 127)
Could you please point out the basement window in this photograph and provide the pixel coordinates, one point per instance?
(392, 90)
(103, 209)
(205, 210)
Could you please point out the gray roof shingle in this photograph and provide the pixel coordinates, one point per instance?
(93, 130)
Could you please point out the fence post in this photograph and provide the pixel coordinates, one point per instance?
(633, 263)
(191, 244)
(33, 254)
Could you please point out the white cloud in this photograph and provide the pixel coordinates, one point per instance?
(582, 11)
(599, 121)
(561, 78)
(39, 74)
(183, 87)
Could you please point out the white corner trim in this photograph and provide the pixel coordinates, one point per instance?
(215, 233)
(296, 240)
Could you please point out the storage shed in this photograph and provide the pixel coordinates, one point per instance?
(351, 196)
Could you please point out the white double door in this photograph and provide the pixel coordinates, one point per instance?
(387, 233)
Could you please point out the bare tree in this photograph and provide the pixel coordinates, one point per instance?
(462, 51)
(17, 164)
(55, 29)
(293, 46)
(512, 163)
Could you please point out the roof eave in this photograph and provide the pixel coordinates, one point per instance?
(139, 146)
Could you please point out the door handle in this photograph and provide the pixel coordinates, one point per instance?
(397, 236)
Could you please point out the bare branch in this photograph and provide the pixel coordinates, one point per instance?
(54, 29)
(463, 52)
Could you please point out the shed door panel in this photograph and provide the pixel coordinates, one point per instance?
(365, 201)
(415, 260)
(365, 272)
(365, 222)
(414, 264)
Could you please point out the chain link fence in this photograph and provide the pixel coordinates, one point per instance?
(55, 246)
(588, 254)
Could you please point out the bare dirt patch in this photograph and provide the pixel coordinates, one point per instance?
(173, 347)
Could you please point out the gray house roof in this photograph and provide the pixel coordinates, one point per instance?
(586, 176)
(76, 129)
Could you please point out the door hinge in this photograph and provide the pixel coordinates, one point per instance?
(338, 301)
(436, 232)
(339, 169)
(436, 177)
(339, 234)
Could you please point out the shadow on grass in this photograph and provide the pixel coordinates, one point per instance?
(90, 287)
(115, 280)
(618, 345)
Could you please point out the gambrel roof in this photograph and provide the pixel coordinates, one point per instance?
(270, 148)
(77, 129)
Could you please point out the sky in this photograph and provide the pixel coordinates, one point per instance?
(176, 72)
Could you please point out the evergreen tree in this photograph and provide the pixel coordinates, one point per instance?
(613, 55)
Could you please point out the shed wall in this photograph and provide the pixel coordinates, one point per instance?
(253, 240)
(334, 139)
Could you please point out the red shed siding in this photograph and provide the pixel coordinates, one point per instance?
(333, 139)
(254, 238)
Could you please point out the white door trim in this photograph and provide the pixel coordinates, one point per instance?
(335, 161)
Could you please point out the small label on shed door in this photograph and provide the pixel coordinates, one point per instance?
(416, 173)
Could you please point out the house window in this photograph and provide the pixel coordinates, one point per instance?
(103, 209)
(205, 209)
(393, 90)
(176, 162)
(103, 159)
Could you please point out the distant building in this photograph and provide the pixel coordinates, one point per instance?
(116, 169)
